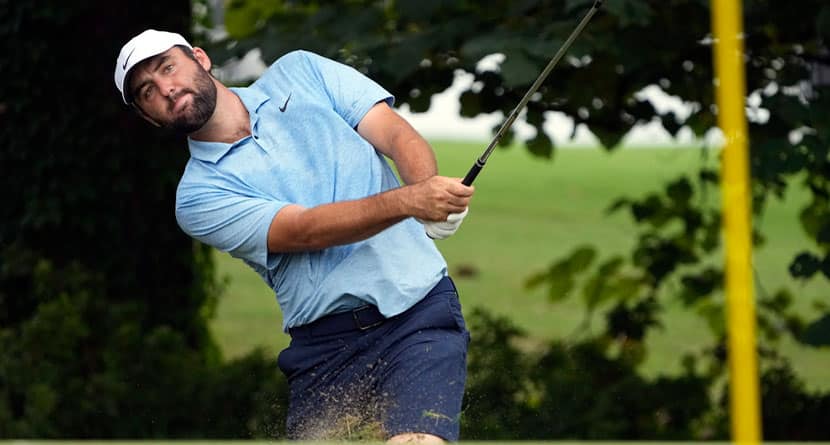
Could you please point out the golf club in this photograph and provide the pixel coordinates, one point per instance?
(479, 164)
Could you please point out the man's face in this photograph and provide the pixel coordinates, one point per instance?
(174, 90)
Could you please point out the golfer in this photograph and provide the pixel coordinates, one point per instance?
(290, 176)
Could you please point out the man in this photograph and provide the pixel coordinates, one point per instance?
(290, 175)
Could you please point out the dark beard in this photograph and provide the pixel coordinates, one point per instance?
(200, 109)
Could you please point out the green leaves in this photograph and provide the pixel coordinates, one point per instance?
(823, 23)
(561, 276)
(576, 390)
(573, 6)
(630, 12)
(680, 192)
(245, 17)
(699, 286)
(541, 145)
(609, 283)
(633, 322)
(518, 69)
(817, 333)
(805, 265)
(814, 218)
(481, 45)
(417, 10)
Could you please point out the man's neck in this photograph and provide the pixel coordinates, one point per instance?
(230, 121)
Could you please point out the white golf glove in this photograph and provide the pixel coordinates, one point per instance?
(445, 229)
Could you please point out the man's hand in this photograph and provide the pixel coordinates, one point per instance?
(440, 204)
(434, 199)
(445, 229)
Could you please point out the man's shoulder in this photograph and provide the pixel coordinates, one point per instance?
(297, 55)
(190, 177)
(299, 59)
(198, 185)
(203, 179)
(200, 176)
(292, 59)
(283, 69)
(298, 66)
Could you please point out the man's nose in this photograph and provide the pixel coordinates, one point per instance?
(166, 87)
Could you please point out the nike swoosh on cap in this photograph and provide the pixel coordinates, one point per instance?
(128, 59)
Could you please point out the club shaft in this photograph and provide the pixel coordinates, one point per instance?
(479, 164)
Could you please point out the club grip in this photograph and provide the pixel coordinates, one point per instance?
(471, 175)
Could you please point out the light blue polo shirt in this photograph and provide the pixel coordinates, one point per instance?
(304, 149)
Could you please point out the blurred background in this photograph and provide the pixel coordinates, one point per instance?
(590, 267)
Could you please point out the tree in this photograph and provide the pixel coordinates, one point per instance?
(103, 301)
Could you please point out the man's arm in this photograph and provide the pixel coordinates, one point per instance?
(426, 196)
(392, 135)
(296, 229)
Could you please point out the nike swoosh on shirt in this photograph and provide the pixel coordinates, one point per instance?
(128, 59)
(285, 105)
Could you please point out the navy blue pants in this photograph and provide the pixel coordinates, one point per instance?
(358, 375)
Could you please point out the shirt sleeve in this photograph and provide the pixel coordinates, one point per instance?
(228, 221)
(352, 94)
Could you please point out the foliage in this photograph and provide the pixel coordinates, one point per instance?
(590, 390)
(791, 413)
(576, 391)
(497, 382)
(103, 301)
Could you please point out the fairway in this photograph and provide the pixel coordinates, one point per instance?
(528, 212)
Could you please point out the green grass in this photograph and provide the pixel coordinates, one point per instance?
(528, 212)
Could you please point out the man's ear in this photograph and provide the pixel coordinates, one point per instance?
(144, 115)
(202, 57)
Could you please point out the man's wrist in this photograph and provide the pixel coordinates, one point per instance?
(396, 200)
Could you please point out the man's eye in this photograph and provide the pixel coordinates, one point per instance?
(148, 92)
(168, 68)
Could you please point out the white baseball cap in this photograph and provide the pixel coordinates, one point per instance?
(143, 46)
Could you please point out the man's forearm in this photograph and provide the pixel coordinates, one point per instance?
(297, 229)
(413, 157)
(393, 136)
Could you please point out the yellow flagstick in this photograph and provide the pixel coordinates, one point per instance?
(743, 362)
